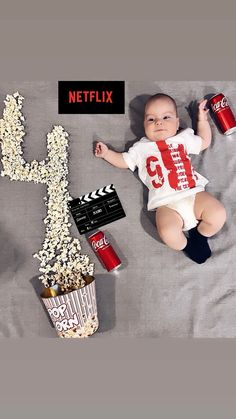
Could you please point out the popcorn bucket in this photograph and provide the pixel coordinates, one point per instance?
(74, 314)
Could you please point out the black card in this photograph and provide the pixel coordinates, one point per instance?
(96, 209)
(91, 97)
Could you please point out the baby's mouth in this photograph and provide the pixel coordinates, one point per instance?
(161, 129)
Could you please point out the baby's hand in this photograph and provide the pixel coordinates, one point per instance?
(101, 149)
(202, 110)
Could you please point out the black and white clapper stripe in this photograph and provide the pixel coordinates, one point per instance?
(96, 194)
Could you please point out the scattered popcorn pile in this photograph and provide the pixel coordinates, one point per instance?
(60, 259)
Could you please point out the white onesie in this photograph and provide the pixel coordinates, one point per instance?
(165, 167)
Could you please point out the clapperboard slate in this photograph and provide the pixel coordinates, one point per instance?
(96, 209)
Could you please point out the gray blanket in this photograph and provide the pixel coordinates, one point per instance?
(158, 292)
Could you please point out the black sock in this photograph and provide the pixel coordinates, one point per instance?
(197, 247)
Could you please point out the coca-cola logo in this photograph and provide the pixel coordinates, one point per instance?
(99, 244)
(221, 104)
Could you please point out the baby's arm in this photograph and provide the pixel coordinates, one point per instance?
(116, 159)
(203, 126)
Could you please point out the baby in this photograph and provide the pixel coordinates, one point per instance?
(176, 190)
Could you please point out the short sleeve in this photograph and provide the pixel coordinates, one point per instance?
(192, 142)
(131, 157)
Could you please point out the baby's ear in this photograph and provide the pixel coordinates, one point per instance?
(177, 124)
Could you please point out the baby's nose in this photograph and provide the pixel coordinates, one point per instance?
(158, 121)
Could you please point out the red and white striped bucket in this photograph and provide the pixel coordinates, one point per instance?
(74, 314)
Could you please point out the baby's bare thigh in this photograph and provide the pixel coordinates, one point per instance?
(168, 218)
(206, 204)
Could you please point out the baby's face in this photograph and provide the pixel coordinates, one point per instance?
(160, 120)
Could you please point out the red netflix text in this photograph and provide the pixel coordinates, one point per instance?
(79, 96)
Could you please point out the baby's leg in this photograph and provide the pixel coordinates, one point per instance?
(211, 213)
(169, 226)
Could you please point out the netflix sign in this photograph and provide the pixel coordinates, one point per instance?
(91, 97)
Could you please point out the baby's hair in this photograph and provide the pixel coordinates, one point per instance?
(160, 96)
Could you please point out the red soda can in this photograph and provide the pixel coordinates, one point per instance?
(223, 115)
(104, 251)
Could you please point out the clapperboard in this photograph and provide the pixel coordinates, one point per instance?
(96, 209)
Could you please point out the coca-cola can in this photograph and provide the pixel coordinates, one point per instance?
(223, 114)
(104, 251)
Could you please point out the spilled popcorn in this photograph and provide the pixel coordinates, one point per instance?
(60, 259)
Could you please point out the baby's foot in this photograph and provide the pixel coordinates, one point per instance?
(197, 247)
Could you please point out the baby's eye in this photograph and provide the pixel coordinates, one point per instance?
(150, 119)
(167, 117)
